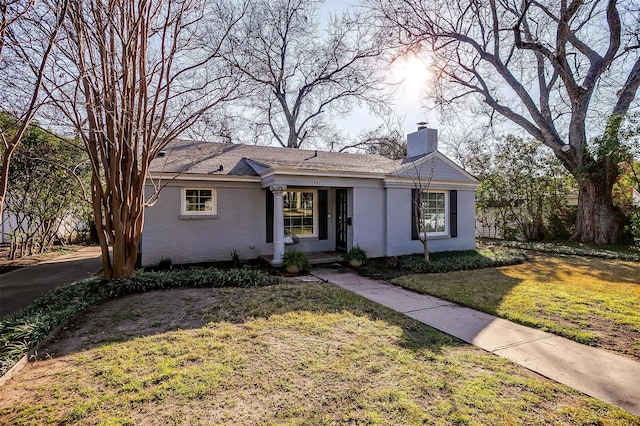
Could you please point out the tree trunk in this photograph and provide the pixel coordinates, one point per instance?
(598, 220)
(121, 262)
(118, 225)
(12, 249)
(7, 155)
(124, 259)
(425, 248)
(292, 140)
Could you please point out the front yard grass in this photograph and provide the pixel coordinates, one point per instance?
(285, 354)
(589, 300)
(25, 330)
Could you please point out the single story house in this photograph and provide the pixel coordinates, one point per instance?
(216, 199)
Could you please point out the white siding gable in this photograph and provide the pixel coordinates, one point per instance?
(435, 167)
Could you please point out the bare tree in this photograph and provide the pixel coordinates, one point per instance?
(296, 73)
(424, 201)
(387, 139)
(27, 38)
(133, 77)
(561, 70)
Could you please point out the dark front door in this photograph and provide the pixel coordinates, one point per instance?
(341, 219)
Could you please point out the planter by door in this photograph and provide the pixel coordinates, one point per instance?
(293, 269)
(356, 263)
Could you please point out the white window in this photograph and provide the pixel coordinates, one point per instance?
(199, 201)
(300, 212)
(434, 212)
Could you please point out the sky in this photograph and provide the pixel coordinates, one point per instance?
(407, 103)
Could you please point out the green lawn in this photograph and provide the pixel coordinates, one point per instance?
(592, 301)
(285, 354)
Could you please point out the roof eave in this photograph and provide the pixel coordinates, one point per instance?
(320, 173)
(202, 176)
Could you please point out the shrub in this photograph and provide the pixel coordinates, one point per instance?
(356, 253)
(560, 223)
(193, 277)
(391, 262)
(26, 330)
(235, 258)
(443, 262)
(465, 260)
(164, 264)
(296, 258)
(633, 228)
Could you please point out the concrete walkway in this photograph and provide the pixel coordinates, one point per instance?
(596, 372)
(19, 288)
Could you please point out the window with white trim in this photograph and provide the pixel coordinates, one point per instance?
(199, 201)
(434, 212)
(300, 212)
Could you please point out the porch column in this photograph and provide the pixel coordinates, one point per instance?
(278, 223)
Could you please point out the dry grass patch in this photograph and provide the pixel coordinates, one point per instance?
(592, 301)
(285, 354)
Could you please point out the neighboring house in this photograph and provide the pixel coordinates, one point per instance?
(8, 224)
(489, 224)
(69, 227)
(634, 196)
(219, 198)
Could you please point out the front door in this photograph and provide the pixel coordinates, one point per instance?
(341, 219)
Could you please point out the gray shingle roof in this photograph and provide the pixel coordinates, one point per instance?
(189, 157)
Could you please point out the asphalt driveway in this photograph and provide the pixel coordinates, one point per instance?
(19, 288)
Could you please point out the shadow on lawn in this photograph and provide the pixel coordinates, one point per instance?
(607, 270)
(586, 300)
(549, 268)
(163, 311)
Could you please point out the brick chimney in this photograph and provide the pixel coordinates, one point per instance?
(422, 142)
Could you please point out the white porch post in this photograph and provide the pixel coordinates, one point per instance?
(278, 223)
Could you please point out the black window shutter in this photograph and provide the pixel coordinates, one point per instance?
(414, 225)
(269, 215)
(453, 213)
(323, 231)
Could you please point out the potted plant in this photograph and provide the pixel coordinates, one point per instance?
(356, 256)
(295, 261)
